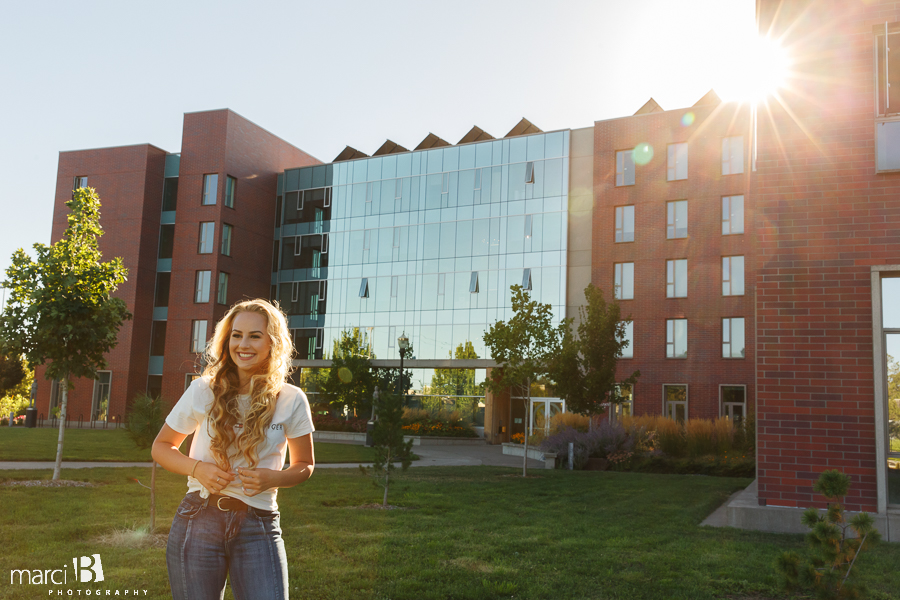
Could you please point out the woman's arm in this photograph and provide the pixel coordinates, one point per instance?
(303, 463)
(165, 451)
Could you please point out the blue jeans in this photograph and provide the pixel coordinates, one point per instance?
(207, 544)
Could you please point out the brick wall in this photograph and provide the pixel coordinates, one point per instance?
(703, 128)
(825, 217)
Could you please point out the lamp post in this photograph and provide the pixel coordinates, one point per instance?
(403, 343)
(370, 426)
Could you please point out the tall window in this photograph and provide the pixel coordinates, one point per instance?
(676, 219)
(210, 188)
(624, 223)
(230, 184)
(198, 336)
(677, 161)
(395, 284)
(732, 215)
(625, 167)
(732, 275)
(226, 239)
(207, 233)
(222, 294)
(628, 351)
(733, 402)
(201, 290)
(887, 93)
(364, 288)
(676, 399)
(625, 408)
(624, 281)
(676, 278)
(733, 155)
(100, 403)
(733, 337)
(80, 182)
(473, 282)
(676, 338)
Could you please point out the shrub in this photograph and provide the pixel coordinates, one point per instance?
(568, 419)
(608, 440)
(723, 436)
(670, 438)
(698, 437)
(332, 423)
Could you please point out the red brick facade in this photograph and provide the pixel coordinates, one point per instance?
(825, 218)
(703, 127)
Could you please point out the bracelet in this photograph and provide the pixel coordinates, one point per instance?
(195, 467)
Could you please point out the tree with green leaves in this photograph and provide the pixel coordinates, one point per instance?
(17, 398)
(12, 372)
(350, 382)
(61, 310)
(459, 382)
(835, 552)
(145, 419)
(894, 401)
(390, 446)
(585, 368)
(524, 348)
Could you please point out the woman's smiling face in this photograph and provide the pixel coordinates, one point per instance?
(249, 344)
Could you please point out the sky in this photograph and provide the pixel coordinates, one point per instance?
(329, 74)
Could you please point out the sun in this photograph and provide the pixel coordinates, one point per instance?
(757, 69)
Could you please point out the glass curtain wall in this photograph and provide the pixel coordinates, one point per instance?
(427, 243)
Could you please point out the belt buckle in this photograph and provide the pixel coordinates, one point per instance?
(219, 504)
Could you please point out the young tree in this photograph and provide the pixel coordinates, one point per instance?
(12, 372)
(145, 419)
(350, 381)
(585, 368)
(524, 347)
(389, 444)
(60, 310)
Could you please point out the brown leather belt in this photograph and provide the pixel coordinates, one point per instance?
(226, 503)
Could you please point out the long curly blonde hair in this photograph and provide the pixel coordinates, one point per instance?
(265, 385)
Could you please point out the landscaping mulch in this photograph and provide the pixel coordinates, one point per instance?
(49, 483)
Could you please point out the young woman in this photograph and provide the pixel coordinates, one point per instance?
(243, 416)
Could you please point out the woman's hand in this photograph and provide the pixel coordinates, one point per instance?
(212, 477)
(257, 480)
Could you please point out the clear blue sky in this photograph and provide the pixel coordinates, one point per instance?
(323, 75)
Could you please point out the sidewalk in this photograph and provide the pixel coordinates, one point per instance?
(429, 456)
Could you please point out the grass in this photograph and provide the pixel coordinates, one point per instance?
(114, 445)
(478, 533)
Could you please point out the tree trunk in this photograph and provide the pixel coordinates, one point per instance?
(387, 476)
(62, 428)
(527, 423)
(153, 498)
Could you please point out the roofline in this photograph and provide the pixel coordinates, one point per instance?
(115, 147)
(667, 111)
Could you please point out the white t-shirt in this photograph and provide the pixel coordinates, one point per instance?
(292, 419)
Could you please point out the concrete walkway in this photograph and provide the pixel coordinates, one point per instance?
(429, 456)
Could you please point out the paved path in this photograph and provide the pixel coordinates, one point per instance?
(429, 456)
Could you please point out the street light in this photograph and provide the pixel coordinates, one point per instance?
(403, 343)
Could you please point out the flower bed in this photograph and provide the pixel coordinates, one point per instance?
(331, 423)
(439, 430)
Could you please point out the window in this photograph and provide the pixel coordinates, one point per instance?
(677, 161)
(732, 275)
(295, 291)
(226, 239)
(207, 233)
(398, 189)
(370, 191)
(887, 93)
(628, 336)
(526, 279)
(230, 183)
(441, 283)
(624, 223)
(445, 183)
(396, 241)
(529, 172)
(624, 281)
(676, 278)
(676, 219)
(364, 288)
(625, 167)
(395, 284)
(675, 398)
(210, 189)
(201, 292)
(166, 241)
(733, 337)
(222, 295)
(732, 215)
(189, 378)
(477, 179)
(170, 194)
(367, 239)
(158, 338)
(473, 283)
(625, 407)
(100, 403)
(676, 338)
(733, 402)
(163, 282)
(529, 225)
(733, 155)
(80, 182)
(198, 337)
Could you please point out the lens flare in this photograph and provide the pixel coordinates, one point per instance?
(759, 67)
(688, 119)
(345, 375)
(642, 154)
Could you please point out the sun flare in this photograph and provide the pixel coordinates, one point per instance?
(758, 69)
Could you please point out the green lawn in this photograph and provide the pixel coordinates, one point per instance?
(114, 445)
(477, 533)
